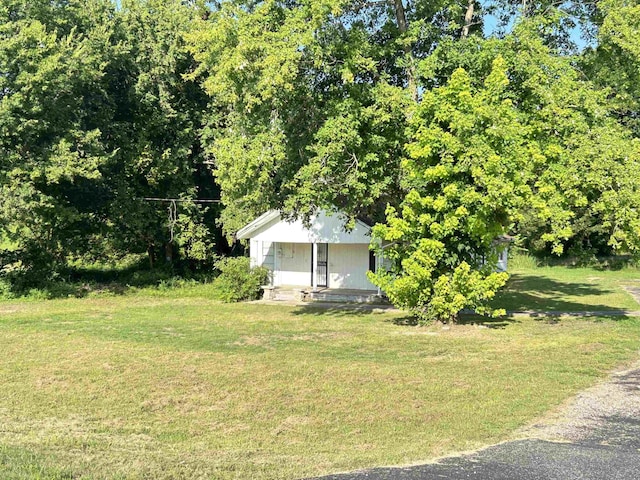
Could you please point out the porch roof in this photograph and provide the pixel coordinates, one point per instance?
(324, 227)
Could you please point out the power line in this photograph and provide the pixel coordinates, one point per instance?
(180, 200)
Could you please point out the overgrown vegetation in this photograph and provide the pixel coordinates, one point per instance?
(96, 117)
(445, 128)
(230, 280)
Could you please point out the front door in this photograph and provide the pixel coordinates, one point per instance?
(322, 266)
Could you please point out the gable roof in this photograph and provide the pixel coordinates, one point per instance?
(325, 227)
(246, 231)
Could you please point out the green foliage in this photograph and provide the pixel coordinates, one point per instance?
(310, 101)
(94, 116)
(83, 278)
(464, 177)
(49, 142)
(6, 290)
(318, 104)
(238, 281)
(518, 143)
(615, 62)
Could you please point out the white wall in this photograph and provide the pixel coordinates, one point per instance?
(503, 255)
(348, 266)
(262, 254)
(293, 264)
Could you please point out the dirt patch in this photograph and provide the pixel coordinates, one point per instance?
(8, 310)
(269, 340)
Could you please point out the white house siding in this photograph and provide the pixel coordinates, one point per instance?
(293, 262)
(503, 256)
(262, 254)
(285, 248)
(348, 266)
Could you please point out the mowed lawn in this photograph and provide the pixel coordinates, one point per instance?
(179, 386)
(566, 289)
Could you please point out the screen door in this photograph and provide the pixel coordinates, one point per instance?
(322, 269)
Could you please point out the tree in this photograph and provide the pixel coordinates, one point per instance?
(155, 136)
(311, 99)
(519, 143)
(464, 181)
(50, 140)
(614, 63)
(95, 116)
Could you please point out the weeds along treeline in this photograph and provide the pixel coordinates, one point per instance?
(446, 124)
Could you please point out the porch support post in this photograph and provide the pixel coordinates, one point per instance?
(274, 245)
(314, 268)
(378, 266)
(379, 262)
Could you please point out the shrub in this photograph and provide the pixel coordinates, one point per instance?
(237, 280)
(6, 292)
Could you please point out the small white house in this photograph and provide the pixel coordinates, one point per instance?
(321, 255)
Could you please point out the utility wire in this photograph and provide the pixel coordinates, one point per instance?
(173, 209)
(179, 200)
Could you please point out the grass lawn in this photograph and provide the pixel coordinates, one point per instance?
(567, 289)
(167, 387)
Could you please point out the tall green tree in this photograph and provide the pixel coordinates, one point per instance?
(50, 138)
(312, 100)
(95, 116)
(155, 136)
(614, 63)
(465, 183)
(519, 142)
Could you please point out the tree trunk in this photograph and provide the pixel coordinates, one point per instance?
(401, 19)
(468, 18)
(401, 16)
(168, 253)
(151, 256)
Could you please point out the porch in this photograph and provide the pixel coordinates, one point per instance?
(316, 266)
(320, 256)
(300, 293)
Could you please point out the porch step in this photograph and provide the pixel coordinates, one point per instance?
(337, 297)
(288, 296)
(324, 296)
(282, 294)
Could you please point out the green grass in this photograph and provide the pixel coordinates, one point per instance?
(567, 288)
(177, 386)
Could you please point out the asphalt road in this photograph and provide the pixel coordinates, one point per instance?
(596, 437)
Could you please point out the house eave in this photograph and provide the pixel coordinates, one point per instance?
(245, 232)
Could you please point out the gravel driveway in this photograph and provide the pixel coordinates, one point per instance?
(595, 436)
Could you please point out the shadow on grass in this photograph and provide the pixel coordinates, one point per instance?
(404, 320)
(342, 310)
(542, 298)
(538, 293)
(80, 282)
(630, 381)
(488, 322)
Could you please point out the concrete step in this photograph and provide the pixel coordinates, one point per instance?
(335, 297)
(324, 296)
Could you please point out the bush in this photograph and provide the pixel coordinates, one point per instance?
(238, 281)
(6, 292)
